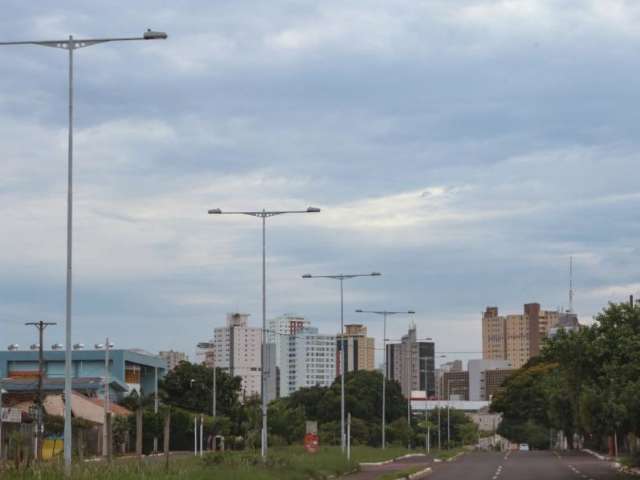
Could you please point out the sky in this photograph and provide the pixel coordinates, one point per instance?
(464, 149)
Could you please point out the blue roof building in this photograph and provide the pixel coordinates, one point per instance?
(129, 370)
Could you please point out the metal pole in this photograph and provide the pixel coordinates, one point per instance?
(39, 436)
(439, 425)
(195, 435)
(107, 399)
(426, 403)
(264, 330)
(449, 416)
(201, 434)
(408, 363)
(384, 384)
(1, 439)
(342, 371)
(214, 387)
(68, 358)
(155, 408)
(349, 437)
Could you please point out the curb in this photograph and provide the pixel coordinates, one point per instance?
(420, 474)
(455, 456)
(387, 462)
(596, 454)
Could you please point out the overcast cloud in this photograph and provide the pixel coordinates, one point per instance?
(464, 149)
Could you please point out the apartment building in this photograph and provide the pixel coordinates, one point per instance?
(516, 337)
(359, 349)
(237, 351)
(307, 359)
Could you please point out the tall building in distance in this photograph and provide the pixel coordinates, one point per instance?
(412, 363)
(516, 337)
(237, 351)
(282, 326)
(307, 359)
(173, 358)
(453, 366)
(359, 349)
(478, 372)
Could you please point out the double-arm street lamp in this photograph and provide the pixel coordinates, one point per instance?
(342, 277)
(263, 214)
(385, 314)
(72, 44)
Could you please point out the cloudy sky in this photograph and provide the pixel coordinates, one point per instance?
(464, 149)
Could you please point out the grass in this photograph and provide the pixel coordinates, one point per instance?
(287, 463)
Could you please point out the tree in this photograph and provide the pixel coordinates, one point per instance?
(179, 390)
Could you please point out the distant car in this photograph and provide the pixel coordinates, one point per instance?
(524, 447)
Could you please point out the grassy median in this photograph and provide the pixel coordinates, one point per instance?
(292, 463)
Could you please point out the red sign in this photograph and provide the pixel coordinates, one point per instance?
(311, 443)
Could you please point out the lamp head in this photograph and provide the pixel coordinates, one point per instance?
(215, 211)
(306, 275)
(359, 311)
(411, 312)
(313, 210)
(376, 274)
(152, 35)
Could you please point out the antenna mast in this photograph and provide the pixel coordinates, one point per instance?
(571, 284)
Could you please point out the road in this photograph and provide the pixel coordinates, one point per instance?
(535, 465)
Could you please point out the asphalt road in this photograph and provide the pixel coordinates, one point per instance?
(535, 465)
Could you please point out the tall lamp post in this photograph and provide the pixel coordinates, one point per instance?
(72, 44)
(385, 314)
(263, 215)
(341, 278)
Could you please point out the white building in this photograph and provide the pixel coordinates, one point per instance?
(477, 377)
(237, 351)
(306, 359)
(282, 326)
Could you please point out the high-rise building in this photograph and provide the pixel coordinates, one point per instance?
(516, 337)
(238, 350)
(359, 350)
(477, 376)
(287, 324)
(307, 359)
(412, 364)
(173, 358)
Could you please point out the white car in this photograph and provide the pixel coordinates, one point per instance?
(524, 447)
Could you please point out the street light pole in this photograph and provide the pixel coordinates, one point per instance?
(72, 44)
(341, 278)
(41, 326)
(263, 215)
(385, 314)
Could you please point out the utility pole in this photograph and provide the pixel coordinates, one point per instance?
(41, 326)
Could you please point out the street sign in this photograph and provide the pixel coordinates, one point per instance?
(10, 415)
(311, 443)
